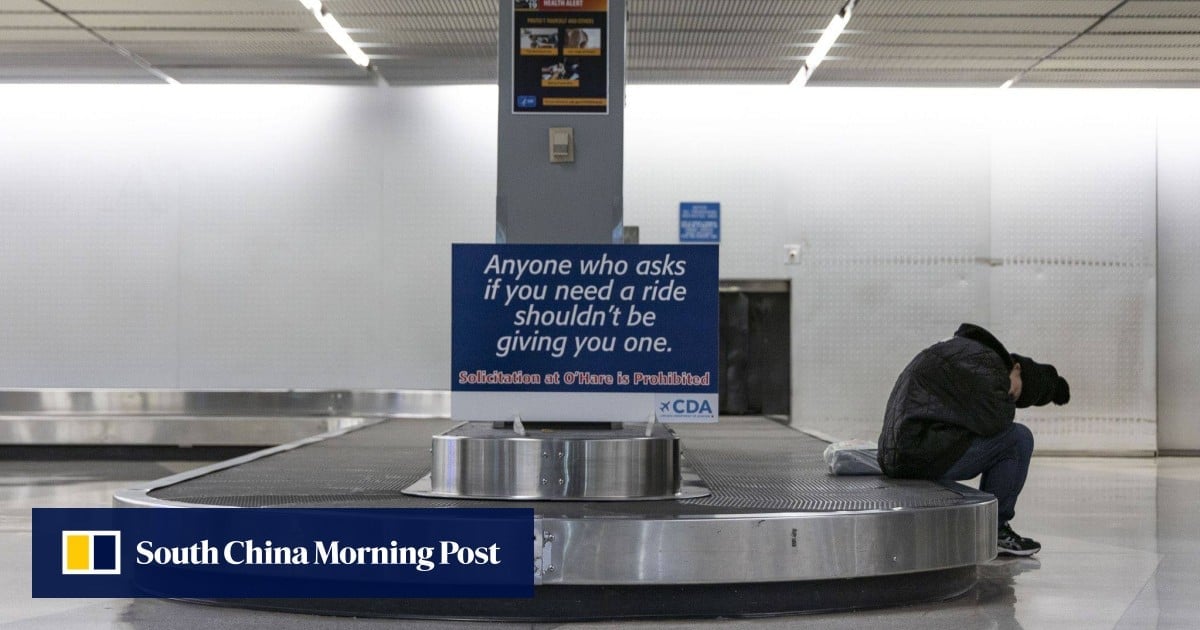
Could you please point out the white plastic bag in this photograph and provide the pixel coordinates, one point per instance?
(852, 457)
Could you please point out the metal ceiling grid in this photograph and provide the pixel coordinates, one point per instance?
(193, 21)
(1149, 24)
(1128, 53)
(937, 42)
(33, 21)
(834, 76)
(177, 6)
(1116, 78)
(855, 36)
(1160, 8)
(419, 22)
(1151, 43)
(344, 74)
(73, 62)
(888, 42)
(942, 51)
(719, 8)
(715, 77)
(402, 7)
(23, 6)
(1185, 40)
(1094, 8)
(29, 40)
(972, 24)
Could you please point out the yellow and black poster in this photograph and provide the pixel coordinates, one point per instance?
(560, 57)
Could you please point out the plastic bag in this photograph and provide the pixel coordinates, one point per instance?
(852, 457)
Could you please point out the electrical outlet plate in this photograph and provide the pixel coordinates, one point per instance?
(562, 145)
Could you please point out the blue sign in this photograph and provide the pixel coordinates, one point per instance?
(584, 332)
(218, 552)
(699, 222)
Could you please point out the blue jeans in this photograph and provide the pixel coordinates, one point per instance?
(1003, 460)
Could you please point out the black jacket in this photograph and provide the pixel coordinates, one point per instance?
(949, 393)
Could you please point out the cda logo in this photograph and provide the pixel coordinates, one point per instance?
(91, 552)
(685, 406)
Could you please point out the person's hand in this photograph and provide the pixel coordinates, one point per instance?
(1014, 381)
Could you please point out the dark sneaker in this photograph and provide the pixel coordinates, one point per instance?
(1010, 544)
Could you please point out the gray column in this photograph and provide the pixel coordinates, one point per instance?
(578, 202)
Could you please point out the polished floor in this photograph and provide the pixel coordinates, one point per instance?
(1121, 542)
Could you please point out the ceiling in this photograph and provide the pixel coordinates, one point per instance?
(1127, 43)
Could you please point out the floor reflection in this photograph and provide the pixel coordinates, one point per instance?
(1121, 549)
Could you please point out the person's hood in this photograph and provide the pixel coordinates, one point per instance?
(980, 334)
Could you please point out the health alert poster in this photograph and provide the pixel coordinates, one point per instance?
(560, 56)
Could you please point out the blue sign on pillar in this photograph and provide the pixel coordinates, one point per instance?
(699, 222)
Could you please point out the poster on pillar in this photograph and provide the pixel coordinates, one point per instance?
(584, 333)
(560, 56)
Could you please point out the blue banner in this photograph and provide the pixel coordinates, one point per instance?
(637, 320)
(221, 552)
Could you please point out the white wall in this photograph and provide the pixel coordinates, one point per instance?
(253, 237)
(1178, 279)
(236, 237)
(1030, 212)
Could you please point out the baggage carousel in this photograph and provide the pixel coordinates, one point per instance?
(765, 531)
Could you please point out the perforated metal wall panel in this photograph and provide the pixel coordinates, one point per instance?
(208, 237)
(88, 256)
(1178, 282)
(937, 210)
(224, 237)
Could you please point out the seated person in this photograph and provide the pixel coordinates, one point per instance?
(950, 416)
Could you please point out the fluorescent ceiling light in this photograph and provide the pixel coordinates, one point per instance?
(824, 45)
(335, 31)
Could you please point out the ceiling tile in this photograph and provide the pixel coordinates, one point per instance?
(947, 38)
(34, 20)
(1138, 39)
(400, 7)
(1006, 24)
(1128, 52)
(834, 76)
(984, 7)
(1149, 25)
(334, 75)
(678, 76)
(817, 8)
(23, 6)
(73, 34)
(214, 21)
(179, 6)
(1181, 8)
(1118, 64)
(1112, 78)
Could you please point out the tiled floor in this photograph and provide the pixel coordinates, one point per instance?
(1121, 550)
